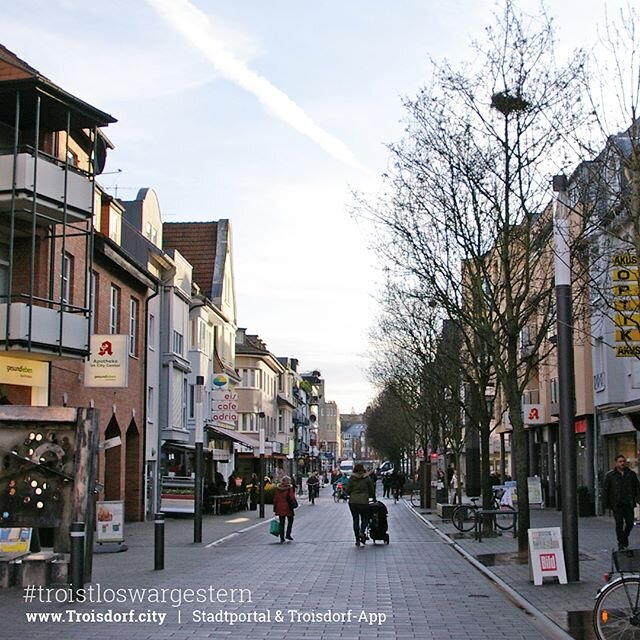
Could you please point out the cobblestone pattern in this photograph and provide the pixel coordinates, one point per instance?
(425, 589)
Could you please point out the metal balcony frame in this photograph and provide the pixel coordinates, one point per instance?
(66, 226)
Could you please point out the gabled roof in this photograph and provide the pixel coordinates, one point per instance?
(197, 242)
(18, 76)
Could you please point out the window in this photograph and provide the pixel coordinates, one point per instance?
(553, 383)
(249, 377)
(177, 343)
(67, 271)
(151, 233)
(150, 400)
(185, 392)
(115, 222)
(72, 158)
(4, 270)
(94, 300)
(200, 336)
(247, 422)
(133, 327)
(114, 310)
(192, 401)
(152, 332)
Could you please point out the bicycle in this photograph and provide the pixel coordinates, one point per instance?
(616, 613)
(339, 494)
(415, 498)
(464, 516)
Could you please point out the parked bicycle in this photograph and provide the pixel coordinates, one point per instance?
(616, 613)
(464, 516)
(415, 498)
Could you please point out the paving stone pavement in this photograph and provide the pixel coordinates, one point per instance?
(419, 582)
(569, 606)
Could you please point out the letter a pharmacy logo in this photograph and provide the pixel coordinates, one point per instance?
(106, 349)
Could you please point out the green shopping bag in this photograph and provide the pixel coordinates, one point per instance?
(275, 527)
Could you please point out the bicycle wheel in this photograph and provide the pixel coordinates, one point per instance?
(507, 519)
(463, 518)
(415, 498)
(617, 612)
(336, 496)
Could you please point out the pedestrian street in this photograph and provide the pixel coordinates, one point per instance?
(248, 585)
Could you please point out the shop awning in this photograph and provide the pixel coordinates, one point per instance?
(229, 434)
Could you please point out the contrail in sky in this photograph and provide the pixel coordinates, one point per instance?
(193, 24)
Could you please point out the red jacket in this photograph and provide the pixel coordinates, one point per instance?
(280, 502)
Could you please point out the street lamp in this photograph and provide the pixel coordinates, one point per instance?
(566, 382)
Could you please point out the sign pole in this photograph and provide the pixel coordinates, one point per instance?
(199, 455)
(262, 472)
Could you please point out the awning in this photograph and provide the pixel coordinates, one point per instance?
(230, 434)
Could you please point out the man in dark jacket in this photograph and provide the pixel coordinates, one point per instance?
(621, 494)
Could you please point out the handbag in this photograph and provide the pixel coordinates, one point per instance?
(274, 528)
(291, 499)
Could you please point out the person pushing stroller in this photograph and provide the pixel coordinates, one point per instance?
(360, 489)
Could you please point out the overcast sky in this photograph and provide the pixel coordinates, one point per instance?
(266, 112)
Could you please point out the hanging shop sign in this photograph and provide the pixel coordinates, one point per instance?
(533, 413)
(224, 407)
(108, 363)
(220, 381)
(626, 302)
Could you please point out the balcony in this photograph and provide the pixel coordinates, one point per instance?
(49, 191)
(43, 334)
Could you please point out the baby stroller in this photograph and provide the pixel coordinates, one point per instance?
(378, 522)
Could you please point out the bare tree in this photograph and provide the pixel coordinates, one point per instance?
(463, 213)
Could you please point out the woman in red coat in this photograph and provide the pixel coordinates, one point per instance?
(283, 500)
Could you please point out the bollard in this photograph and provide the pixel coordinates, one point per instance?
(77, 556)
(159, 542)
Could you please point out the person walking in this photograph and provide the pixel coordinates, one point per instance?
(284, 502)
(359, 489)
(313, 487)
(453, 488)
(621, 494)
(386, 485)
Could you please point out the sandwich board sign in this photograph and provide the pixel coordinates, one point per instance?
(546, 557)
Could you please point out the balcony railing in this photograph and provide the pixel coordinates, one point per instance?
(44, 179)
(47, 331)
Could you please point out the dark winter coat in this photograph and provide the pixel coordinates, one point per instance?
(280, 500)
(360, 488)
(621, 489)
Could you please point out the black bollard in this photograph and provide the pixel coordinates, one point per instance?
(77, 556)
(159, 542)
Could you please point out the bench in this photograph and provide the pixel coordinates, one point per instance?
(491, 514)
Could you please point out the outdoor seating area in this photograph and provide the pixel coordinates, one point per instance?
(226, 503)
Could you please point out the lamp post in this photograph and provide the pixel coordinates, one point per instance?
(261, 416)
(566, 382)
(199, 438)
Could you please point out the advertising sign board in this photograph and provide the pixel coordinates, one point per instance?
(546, 558)
(110, 521)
